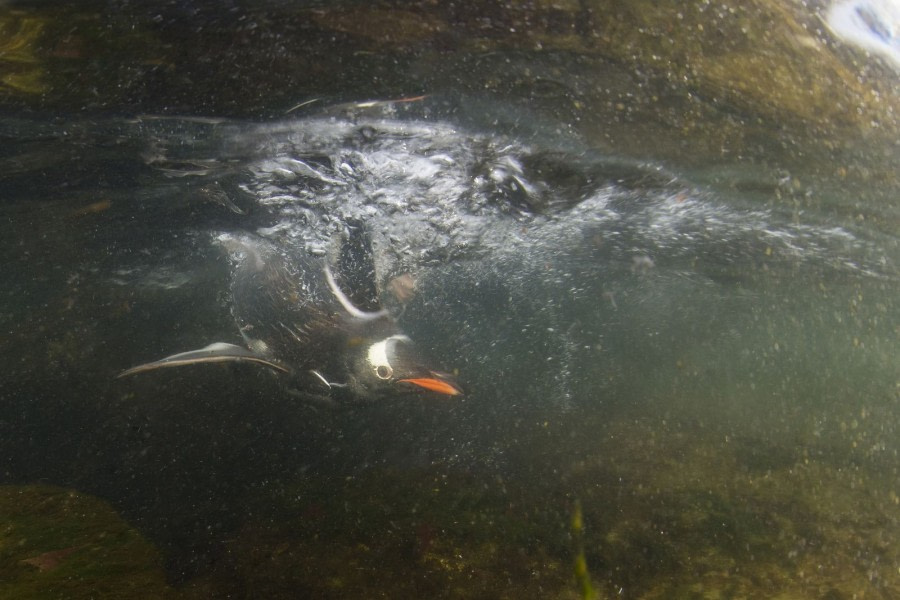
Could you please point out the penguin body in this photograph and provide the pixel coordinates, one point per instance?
(296, 320)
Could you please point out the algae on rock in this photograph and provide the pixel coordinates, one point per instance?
(58, 543)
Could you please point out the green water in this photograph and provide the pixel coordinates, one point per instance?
(657, 241)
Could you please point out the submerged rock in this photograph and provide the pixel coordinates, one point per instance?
(763, 58)
(58, 543)
(674, 512)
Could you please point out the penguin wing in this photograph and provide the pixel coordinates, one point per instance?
(356, 270)
(217, 352)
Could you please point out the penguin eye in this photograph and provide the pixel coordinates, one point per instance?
(383, 372)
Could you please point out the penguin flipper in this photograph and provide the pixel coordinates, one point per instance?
(347, 304)
(356, 266)
(216, 352)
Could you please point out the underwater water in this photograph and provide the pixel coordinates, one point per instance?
(672, 303)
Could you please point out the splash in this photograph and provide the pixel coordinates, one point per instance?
(870, 24)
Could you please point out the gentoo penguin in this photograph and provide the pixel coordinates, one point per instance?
(296, 320)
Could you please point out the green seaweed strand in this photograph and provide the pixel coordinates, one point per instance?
(582, 575)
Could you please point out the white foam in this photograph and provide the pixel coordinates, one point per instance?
(870, 24)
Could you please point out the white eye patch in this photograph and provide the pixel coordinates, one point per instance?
(378, 356)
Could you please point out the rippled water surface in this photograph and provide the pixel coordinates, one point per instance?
(672, 305)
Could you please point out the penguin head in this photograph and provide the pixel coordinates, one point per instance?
(394, 362)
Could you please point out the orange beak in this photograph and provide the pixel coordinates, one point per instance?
(435, 385)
